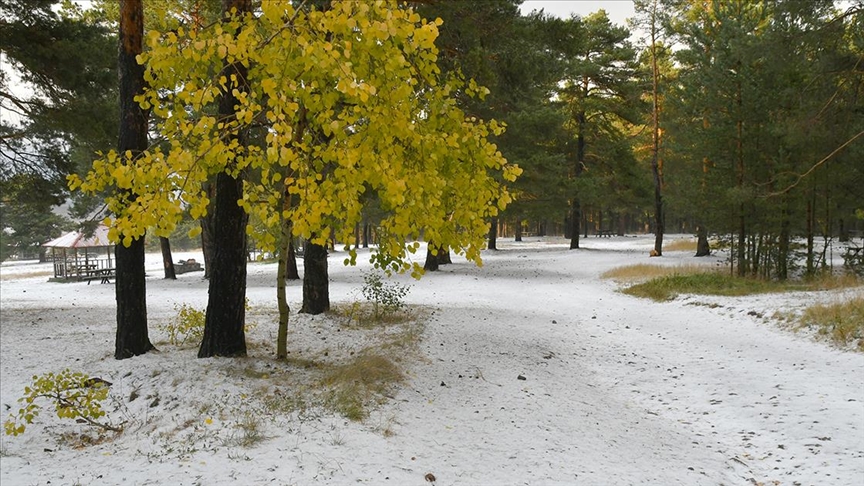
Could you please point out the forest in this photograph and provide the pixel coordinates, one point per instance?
(738, 121)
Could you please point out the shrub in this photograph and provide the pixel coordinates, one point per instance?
(386, 298)
(74, 395)
(189, 324)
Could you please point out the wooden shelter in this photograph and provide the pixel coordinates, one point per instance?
(79, 257)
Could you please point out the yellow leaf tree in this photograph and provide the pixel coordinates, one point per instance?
(345, 102)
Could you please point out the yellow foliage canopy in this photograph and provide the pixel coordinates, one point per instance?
(340, 104)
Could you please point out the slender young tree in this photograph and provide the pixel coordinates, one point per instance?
(132, 338)
(649, 9)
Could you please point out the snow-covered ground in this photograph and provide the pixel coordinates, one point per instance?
(531, 370)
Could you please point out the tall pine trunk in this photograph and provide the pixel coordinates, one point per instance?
(811, 217)
(656, 162)
(575, 207)
(131, 288)
(316, 285)
(224, 333)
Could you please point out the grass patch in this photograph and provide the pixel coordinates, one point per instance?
(842, 323)
(362, 315)
(680, 245)
(361, 383)
(645, 271)
(720, 283)
(714, 283)
(21, 276)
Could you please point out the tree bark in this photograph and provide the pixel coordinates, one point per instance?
(285, 255)
(365, 235)
(656, 162)
(575, 208)
(224, 333)
(575, 223)
(291, 272)
(493, 234)
(167, 259)
(431, 264)
(702, 246)
(132, 338)
(811, 216)
(207, 225)
(444, 256)
(316, 285)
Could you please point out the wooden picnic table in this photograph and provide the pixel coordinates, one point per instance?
(104, 275)
(604, 234)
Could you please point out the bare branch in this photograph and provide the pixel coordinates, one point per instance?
(801, 177)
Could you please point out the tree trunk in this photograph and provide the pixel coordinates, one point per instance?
(224, 333)
(702, 246)
(518, 231)
(291, 272)
(444, 256)
(285, 255)
(167, 259)
(575, 223)
(207, 225)
(656, 162)
(132, 338)
(811, 215)
(575, 207)
(431, 264)
(493, 234)
(316, 285)
(584, 223)
(365, 235)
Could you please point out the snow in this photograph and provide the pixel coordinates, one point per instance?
(616, 390)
